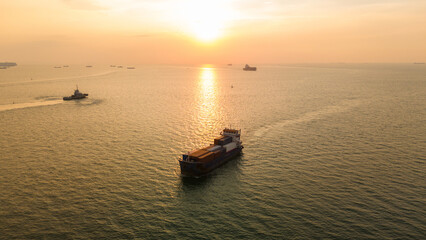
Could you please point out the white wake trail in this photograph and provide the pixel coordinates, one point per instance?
(28, 105)
(310, 116)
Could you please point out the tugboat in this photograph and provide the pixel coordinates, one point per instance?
(202, 161)
(248, 68)
(77, 95)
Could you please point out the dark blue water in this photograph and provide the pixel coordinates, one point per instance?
(331, 151)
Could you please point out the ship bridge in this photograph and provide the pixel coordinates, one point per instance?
(231, 132)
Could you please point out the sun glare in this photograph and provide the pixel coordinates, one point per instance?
(207, 77)
(206, 20)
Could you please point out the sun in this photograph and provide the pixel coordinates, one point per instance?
(206, 31)
(206, 20)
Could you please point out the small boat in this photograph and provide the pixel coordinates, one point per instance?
(66, 66)
(57, 67)
(119, 66)
(248, 68)
(112, 65)
(89, 66)
(232, 86)
(130, 67)
(77, 95)
(229, 64)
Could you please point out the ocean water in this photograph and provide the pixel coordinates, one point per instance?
(332, 151)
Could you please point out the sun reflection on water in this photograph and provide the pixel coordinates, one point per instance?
(207, 79)
(208, 117)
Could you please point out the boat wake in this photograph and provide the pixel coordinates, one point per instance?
(14, 106)
(310, 116)
(86, 102)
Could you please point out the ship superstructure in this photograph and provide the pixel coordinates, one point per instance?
(202, 161)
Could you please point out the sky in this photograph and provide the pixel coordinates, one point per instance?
(216, 32)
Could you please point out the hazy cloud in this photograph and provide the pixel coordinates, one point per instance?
(143, 35)
(84, 4)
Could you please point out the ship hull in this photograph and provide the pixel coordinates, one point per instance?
(198, 169)
(250, 68)
(75, 97)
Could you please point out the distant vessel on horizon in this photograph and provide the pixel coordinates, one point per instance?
(130, 67)
(5, 65)
(77, 95)
(89, 66)
(248, 68)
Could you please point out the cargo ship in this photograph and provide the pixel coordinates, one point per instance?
(202, 161)
(248, 68)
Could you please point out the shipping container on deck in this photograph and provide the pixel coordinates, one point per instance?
(214, 148)
(227, 140)
(230, 146)
(206, 157)
(223, 140)
(219, 152)
(198, 153)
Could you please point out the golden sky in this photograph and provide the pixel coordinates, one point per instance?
(217, 31)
